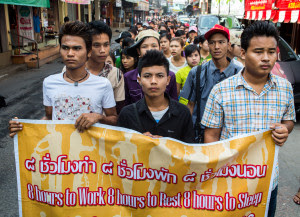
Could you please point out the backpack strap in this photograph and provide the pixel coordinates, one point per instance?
(198, 94)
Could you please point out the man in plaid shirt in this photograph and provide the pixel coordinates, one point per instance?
(254, 99)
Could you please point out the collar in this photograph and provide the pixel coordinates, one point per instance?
(227, 72)
(106, 69)
(132, 75)
(272, 82)
(173, 110)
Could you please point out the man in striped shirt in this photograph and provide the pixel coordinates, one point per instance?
(254, 99)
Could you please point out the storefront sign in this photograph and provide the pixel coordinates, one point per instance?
(25, 23)
(111, 171)
(80, 2)
(251, 5)
(288, 4)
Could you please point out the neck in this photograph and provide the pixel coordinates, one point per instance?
(130, 69)
(157, 103)
(177, 58)
(94, 67)
(256, 82)
(76, 74)
(204, 53)
(230, 56)
(221, 63)
(167, 53)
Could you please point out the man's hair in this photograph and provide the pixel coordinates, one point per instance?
(99, 27)
(191, 49)
(167, 35)
(149, 27)
(127, 42)
(259, 28)
(139, 23)
(77, 28)
(112, 56)
(179, 40)
(66, 19)
(163, 25)
(179, 33)
(153, 58)
(133, 30)
(199, 39)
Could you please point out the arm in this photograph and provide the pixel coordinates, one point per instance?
(212, 135)
(178, 88)
(281, 131)
(48, 113)
(191, 106)
(86, 120)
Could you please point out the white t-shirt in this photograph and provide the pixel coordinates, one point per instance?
(175, 68)
(68, 101)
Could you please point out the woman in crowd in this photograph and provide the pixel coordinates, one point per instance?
(177, 61)
(165, 39)
(111, 59)
(204, 50)
(192, 54)
(128, 62)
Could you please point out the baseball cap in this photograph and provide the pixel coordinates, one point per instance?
(186, 25)
(143, 34)
(124, 34)
(218, 29)
(234, 39)
(193, 28)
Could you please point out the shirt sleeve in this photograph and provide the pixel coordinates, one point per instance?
(213, 113)
(173, 87)
(119, 90)
(179, 77)
(108, 100)
(188, 90)
(290, 110)
(46, 98)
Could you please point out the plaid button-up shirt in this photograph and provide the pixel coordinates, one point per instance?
(237, 108)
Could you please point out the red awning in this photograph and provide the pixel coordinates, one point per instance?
(287, 11)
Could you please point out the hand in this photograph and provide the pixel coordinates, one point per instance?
(280, 133)
(152, 136)
(14, 127)
(86, 120)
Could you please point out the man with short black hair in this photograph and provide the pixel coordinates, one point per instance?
(101, 38)
(254, 99)
(212, 72)
(75, 93)
(156, 114)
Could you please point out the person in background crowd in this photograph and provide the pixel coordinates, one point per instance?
(163, 27)
(111, 59)
(117, 52)
(156, 27)
(128, 62)
(156, 114)
(37, 28)
(62, 91)
(172, 31)
(152, 24)
(101, 38)
(139, 25)
(146, 40)
(168, 23)
(192, 55)
(182, 35)
(133, 32)
(234, 51)
(205, 56)
(177, 61)
(186, 29)
(66, 19)
(254, 99)
(192, 34)
(165, 39)
(212, 72)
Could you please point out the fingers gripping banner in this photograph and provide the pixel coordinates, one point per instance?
(111, 171)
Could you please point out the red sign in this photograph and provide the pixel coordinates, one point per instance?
(288, 4)
(258, 5)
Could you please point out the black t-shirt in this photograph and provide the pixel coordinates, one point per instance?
(176, 122)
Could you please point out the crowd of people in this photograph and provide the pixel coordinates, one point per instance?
(168, 81)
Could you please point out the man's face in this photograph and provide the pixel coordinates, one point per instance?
(183, 37)
(204, 46)
(236, 50)
(100, 48)
(218, 46)
(154, 80)
(260, 56)
(192, 34)
(138, 26)
(73, 51)
(175, 48)
(148, 44)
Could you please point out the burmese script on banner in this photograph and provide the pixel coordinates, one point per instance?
(112, 171)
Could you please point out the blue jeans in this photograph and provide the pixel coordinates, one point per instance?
(273, 200)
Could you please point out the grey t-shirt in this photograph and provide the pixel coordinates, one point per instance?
(158, 115)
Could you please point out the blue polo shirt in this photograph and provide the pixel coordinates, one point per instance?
(210, 75)
(36, 24)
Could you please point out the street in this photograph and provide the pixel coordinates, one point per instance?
(23, 92)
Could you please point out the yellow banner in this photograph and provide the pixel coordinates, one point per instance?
(111, 171)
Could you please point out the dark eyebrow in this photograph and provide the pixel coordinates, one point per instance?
(74, 47)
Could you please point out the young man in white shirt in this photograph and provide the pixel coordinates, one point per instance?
(75, 93)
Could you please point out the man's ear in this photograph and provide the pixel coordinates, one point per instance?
(168, 81)
(89, 54)
(139, 80)
(139, 52)
(243, 54)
